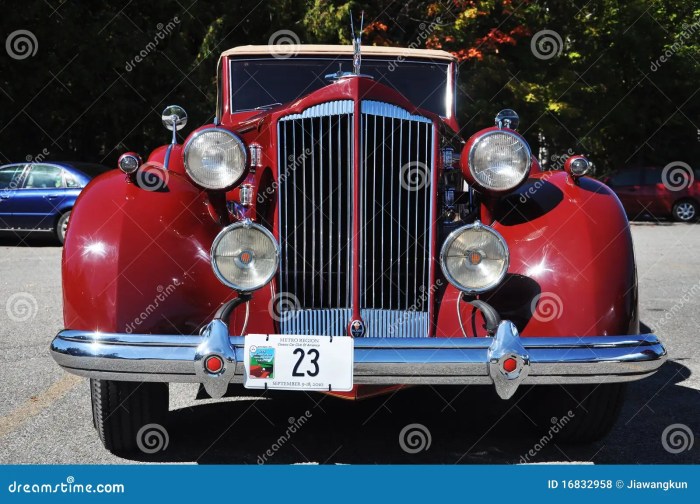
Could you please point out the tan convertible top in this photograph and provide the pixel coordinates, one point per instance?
(339, 50)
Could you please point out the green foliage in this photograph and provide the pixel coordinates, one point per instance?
(621, 87)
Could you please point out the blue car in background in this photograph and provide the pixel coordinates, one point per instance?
(39, 197)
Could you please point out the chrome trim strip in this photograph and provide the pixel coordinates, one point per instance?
(328, 321)
(378, 108)
(337, 107)
(413, 360)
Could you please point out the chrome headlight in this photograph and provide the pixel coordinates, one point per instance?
(499, 160)
(245, 256)
(215, 158)
(474, 258)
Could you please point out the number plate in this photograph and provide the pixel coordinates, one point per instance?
(298, 362)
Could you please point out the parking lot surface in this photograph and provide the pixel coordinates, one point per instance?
(45, 413)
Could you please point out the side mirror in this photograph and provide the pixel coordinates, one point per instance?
(174, 118)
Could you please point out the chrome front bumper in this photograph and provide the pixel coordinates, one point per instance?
(387, 361)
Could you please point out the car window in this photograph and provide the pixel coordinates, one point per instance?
(44, 177)
(71, 181)
(259, 82)
(10, 176)
(652, 177)
(626, 178)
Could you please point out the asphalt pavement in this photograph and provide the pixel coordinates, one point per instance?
(45, 413)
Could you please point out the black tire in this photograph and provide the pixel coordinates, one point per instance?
(61, 227)
(581, 413)
(685, 211)
(121, 409)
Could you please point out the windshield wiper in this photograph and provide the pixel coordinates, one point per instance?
(269, 105)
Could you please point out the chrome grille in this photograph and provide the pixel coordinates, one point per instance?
(315, 160)
(315, 219)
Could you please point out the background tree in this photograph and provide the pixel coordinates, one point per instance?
(616, 80)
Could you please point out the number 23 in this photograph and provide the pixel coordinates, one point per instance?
(314, 361)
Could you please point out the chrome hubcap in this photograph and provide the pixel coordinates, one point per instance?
(64, 227)
(685, 211)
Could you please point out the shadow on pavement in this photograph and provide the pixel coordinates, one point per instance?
(10, 239)
(466, 425)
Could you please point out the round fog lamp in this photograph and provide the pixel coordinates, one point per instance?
(245, 256)
(474, 258)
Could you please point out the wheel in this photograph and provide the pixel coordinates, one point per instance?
(121, 409)
(576, 413)
(62, 226)
(685, 211)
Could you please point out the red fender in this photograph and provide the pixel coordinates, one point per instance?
(572, 269)
(137, 260)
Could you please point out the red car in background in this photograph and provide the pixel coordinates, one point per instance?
(672, 191)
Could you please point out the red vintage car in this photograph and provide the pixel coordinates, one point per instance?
(672, 191)
(331, 231)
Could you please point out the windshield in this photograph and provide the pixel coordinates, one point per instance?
(260, 82)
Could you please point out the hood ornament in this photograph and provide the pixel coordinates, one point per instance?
(356, 54)
(357, 44)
